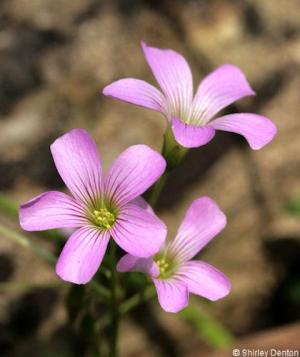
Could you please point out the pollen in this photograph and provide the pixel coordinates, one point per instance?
(163, 265)
(104, 218)
(165, 268)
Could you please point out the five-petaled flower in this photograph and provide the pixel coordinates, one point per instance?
(173, 272)
(191, 116)
(101, 206)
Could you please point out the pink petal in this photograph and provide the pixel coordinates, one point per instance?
(51, 210)
(139, 201)
(203, 220)
(219, 89)
(172, 294)
(191, 136)
(82, 255)
(132, 173)
(138, 232)
(256, 129)
(78, 163)
(204, 280)
(136, 92)
(174, 76)
(144, 265)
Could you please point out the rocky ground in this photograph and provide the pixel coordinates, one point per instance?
(56, 56)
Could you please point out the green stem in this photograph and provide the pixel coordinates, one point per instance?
(136, 300)
(173, 154)
(100, 289)
(158, 188)
(129, 305)
(114, 304)
(172, 151)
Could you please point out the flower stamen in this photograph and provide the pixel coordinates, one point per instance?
(104, 218)
(165, 267)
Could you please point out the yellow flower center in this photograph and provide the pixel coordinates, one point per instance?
(104, 218)
(163, 265)
(166, 266)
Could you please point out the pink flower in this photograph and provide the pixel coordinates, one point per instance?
(173, 272)
(100, 207)
(191, 116)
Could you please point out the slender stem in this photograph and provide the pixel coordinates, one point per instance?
(173, 154)
(114, 304)
(158, 188)
(129, 305)
(100, 289)
(136, 300)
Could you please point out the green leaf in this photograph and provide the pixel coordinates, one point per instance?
(211, 331)
(9, 207)
(27, 243)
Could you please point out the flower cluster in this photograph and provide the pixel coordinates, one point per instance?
(101, 207)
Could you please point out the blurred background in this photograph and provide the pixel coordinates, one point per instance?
(55, 58)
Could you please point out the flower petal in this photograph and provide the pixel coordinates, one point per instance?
(138, 232)
(203, 220)
(137, 92)
(144, 265)
(204, 280)
(82, 255)
(256, 129)
(174, 76)
(139, 201)
(78, 163)
(191, 136)
(132, 173)
(172, 294)
(219, 89)
(51, 210)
